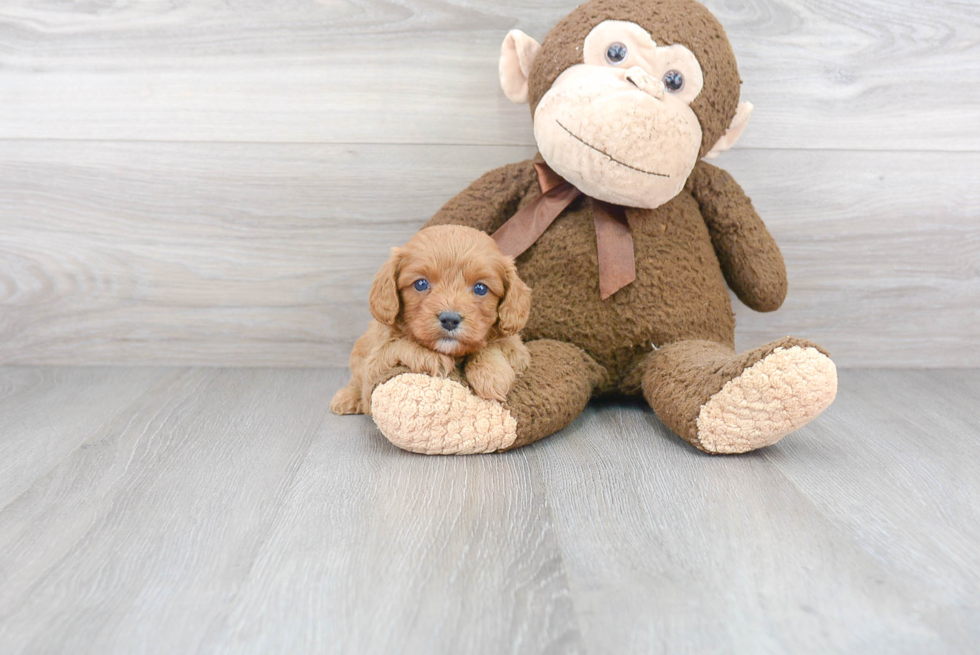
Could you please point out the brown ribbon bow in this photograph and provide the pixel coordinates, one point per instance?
(617, 263)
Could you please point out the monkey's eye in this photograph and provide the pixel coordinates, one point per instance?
(673, 81)
(480, 289)
(616, 53)
(421, 285)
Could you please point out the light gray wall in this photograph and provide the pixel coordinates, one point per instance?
(215, 183)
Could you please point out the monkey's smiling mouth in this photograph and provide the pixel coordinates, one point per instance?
(606, 154)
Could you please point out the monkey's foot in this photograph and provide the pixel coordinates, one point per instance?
(775, 396)
(438, 416)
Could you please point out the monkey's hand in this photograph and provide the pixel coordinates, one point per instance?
(749, 256)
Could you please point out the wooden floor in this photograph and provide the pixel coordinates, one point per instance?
(192, 510)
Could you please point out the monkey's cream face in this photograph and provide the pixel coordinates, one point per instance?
(619, 126)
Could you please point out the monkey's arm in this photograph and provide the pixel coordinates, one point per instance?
(749, 257)
(491, 200)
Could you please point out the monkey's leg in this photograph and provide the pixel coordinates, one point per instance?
(439, 416)
(723, 402)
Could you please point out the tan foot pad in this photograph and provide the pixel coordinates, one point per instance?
(436, 416)
(773, 397)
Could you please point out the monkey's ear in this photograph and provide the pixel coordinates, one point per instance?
(734, 131)
(516, 56)
(383, 299)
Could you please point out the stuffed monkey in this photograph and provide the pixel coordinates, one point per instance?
(627, 238)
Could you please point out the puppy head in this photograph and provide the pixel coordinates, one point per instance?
(450, 289)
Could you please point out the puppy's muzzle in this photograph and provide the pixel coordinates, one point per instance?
(450, 320)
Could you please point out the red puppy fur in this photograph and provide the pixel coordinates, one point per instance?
(448, 297)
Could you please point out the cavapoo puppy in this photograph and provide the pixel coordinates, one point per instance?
(447, 297)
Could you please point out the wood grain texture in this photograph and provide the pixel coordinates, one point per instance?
(829, 74)
(856, 534)
(226, 511)
(262, 254)
(905, 498)
(47, 415)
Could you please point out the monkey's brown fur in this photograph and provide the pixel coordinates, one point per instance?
(406, 330)
(669, 335)
(669, 22)
(675, 318)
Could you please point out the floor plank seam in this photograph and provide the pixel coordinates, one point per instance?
(531, 453)
(223, 622)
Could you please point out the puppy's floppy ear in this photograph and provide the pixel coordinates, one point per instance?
(384, 300)
(515, 306)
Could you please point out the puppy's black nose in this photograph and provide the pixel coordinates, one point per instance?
(450, 320)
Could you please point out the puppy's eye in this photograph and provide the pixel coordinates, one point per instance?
(480, 289)
(421, 285)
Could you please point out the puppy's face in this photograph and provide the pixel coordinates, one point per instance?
(451, 290)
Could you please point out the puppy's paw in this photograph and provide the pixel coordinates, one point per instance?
(432, 363)
(346, 401)
(490, 378)
(444, 366)
(515, 353)
(520, 358)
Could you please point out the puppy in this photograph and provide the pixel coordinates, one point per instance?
(448, 297)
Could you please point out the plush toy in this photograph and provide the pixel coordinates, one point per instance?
(627, 238)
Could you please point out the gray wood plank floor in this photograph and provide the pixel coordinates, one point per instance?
(184, 510)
